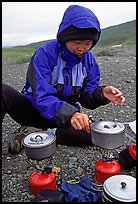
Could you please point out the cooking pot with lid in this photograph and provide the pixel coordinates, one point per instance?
(39, 145)
(119, 188)
(108, 134)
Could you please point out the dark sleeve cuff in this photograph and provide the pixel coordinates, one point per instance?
(64, 114)
(94, 99)
(99, 97)
(104, 99)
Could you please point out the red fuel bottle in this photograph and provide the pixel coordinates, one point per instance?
(132, 151)
(104, 170)
(40, 181)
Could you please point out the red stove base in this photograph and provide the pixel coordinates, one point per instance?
(40, 181)
(104, 170)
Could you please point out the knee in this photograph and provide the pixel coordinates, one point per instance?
(8, 92)
(4, 96)
(5, 89)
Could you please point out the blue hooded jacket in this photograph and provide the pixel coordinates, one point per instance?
(56, 79)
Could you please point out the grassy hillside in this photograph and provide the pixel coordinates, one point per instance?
(33, 45)
(124, 34)
(18, 54)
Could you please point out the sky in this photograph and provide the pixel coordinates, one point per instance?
(27, 22)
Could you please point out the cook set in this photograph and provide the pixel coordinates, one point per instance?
(39, 145)
(119, 188)
(107, 135)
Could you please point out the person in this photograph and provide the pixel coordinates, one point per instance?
(62, 77)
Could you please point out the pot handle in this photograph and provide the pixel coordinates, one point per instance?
(38, 138)
(90, 119)
(123, 184)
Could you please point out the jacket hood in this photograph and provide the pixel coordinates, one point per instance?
(81, 18)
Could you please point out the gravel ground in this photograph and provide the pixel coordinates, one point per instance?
(118, 70)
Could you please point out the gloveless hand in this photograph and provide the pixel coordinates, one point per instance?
(114, 95)
(80, 121)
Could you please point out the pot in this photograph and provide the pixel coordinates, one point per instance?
(108, 134)
(119, 188)
(39, 145)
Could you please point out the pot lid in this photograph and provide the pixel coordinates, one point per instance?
(121, 188)
(108, 127)
(39, 139)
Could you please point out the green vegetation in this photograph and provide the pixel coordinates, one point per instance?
(21, 54)
(18, 55)
(35, 45)
(124, 34)
(106, 51)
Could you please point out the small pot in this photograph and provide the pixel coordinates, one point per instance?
(119, 188)
(39, 145)
(108, 134)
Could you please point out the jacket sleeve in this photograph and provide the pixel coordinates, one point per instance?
(94, 99)
(46, 100)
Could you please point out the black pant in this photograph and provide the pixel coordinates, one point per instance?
(21, 110)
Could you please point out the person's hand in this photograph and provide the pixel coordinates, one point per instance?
(80, 121)
(114, 95)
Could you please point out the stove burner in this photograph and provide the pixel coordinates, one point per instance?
(107, 166)
(43, 177)
(39, 165)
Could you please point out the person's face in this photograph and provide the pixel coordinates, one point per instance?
(79, 47)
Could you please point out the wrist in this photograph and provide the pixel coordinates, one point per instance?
(103, 95)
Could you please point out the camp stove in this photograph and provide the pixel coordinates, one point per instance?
(107, 136)
(107, 166)
(39, 148)
(43, 177)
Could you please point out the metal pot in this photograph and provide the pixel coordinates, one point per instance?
(108, 134)
(119, 188)
(39, 145)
